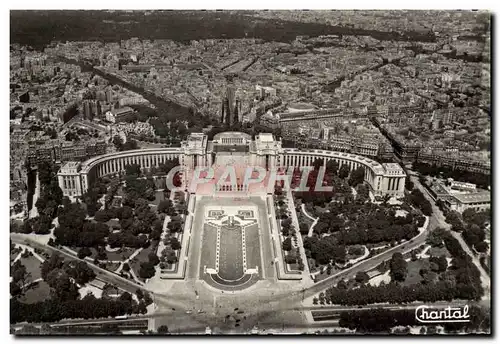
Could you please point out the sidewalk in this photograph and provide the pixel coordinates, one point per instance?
(315, 220)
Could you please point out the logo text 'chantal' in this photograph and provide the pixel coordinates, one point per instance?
(426, 314)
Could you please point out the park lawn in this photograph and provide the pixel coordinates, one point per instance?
(37, 292)
(32, 265)
(110, 291)
(112, 266)
(413, 275)
(439, 251)
(121, 254)
(354, 256)
(142, 257)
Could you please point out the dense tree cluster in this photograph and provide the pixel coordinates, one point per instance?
(418, 199)
(383, 320)
(472, 224)
(63, 277)
(147, 270)
(377, 320)
(361, 277)
(398, 267)
(357, 176)
(474, 232)
(89, 307)
(352, 223)
(324, 250)
(138, 188)
(39, 225)
(135, 223)
(91, 197)
(50, 198)
(166, 207)
(19, 275)
(332, 177)
(460, 281)
(75, 230)
(122, 146)
(481, 180)
(287, 244)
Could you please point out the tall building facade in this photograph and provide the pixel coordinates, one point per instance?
(231, 107)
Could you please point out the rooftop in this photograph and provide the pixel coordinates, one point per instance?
(392, 166)
(196, 136)
(122, 110)
(232, 134)
(71, 164)
(475, 197)
(265, 137)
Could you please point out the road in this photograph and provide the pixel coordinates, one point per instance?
(104, 275)
(259, 306)
(441, 222)
(260, 309)
(370, 263)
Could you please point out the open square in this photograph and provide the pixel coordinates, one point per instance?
(231, 250)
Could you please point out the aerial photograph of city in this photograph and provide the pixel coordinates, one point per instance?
(250, 172)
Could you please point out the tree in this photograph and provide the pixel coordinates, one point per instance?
(398, 267)
(126, 268)
(408, 183)
(54, 262)
(362, 277)
(19, 273)
(84, 252)
(153, 258)
(147, 270)
(171, 257)
(473, 234)
(435, 237)
(357, 177)
(79, 271)
(101, 253)
(133, 170)
(418, 199)
(175, 244)
(290, 259)
(481, 246)
(165, 206)
(139, 293)
(15, 289)
(287, 244)
(440, 263)
(163, 329)
(332, 167)
(344, 171)
(342, 284)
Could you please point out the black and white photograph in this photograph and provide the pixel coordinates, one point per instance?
(250, 172)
